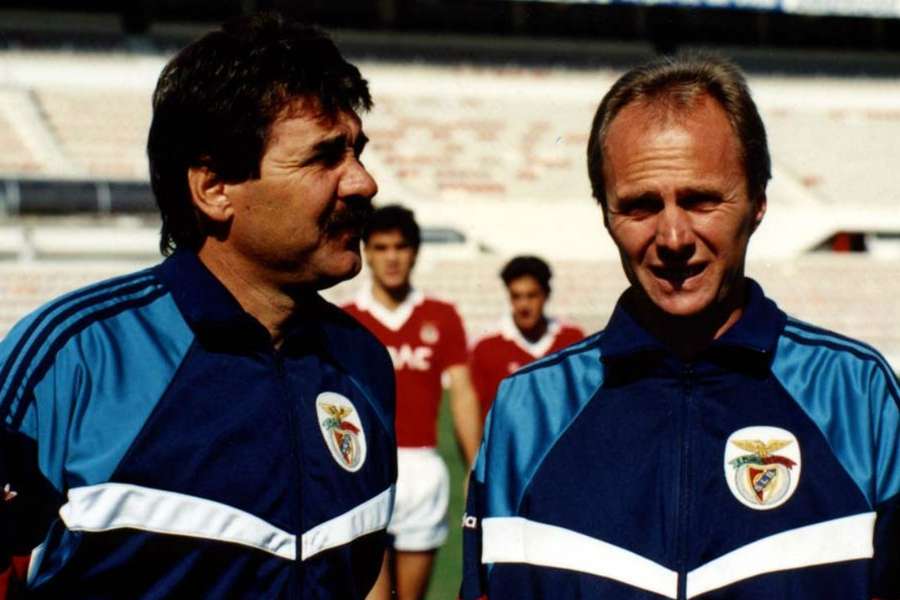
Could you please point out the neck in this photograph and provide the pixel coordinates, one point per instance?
(256, 290)
(391, 298)
(535, 333)
(688, 336)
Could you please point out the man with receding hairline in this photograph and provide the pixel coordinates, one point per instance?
(704, 444)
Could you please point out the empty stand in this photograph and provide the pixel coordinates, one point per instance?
(842, 155)
(102, 132)
(497, 153)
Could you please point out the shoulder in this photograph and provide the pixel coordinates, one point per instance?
(580, 355)
(811, 359)
(843, 352)
(532, 410)
(441, 312)
(851, 394)
(437, 304)
(76, 330)
(487, 340)
(71, 313)
(558, 384)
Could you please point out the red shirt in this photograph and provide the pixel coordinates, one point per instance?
(424, 337)
(499, 354)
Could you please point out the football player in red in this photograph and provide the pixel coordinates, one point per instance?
(426, 339)
(523, 336)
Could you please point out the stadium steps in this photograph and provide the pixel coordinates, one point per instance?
(29, 147)
(103, 133)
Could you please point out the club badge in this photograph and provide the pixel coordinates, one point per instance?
(429, 334)
(342, 430)
(762, 466)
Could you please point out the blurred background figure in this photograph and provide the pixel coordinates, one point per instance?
(479, 125)
(426, 340)
(525, 333)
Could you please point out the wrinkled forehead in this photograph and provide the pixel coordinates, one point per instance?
(669, 109)
(310, 107)
(648, 122)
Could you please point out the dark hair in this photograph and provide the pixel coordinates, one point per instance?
(677, 83)
(527, 266)
(216, 100)
(394, 217)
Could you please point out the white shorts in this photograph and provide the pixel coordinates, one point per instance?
(419, 521)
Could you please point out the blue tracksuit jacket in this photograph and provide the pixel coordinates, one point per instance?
(768, 468)
(155, 445)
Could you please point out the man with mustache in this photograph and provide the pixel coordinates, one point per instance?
(211, 427)
(704, 445)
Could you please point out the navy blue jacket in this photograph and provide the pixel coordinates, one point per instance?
(158, 446)
(768, 468)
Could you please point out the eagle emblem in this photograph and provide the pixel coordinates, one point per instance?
(758, 473)
(342, 430)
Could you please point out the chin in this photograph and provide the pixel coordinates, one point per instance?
(334, 276)
(683, 307)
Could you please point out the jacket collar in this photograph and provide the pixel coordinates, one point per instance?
(754, 334)
(213, 313)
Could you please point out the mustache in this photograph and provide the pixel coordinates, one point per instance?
(356, 215)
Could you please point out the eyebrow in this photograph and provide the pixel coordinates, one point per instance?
(339, 142)
(687, 192)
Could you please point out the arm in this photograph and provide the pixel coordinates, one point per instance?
(466, 412)
(29, 502)
(382, 588)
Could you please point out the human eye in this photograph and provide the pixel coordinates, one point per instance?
(328, 153)
(331, 158)
(638, 207)
(359, 145)
(701, 201)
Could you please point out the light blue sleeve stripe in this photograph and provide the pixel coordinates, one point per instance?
(32, 329)
(812, 332)
(851, 397)
(103, 385)
(532, 411)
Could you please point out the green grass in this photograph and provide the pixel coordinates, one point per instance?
(448, 567)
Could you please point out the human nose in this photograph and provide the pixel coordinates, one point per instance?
(357, 181)
(674, 239)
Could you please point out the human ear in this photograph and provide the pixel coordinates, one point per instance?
(208, 194)
(760, 211)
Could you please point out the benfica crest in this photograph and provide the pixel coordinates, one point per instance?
(762, 466)
(342, 430)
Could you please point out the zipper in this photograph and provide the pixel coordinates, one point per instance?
(295, 449)
(684, 481)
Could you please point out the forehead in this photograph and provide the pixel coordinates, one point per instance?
(387, 237)
(303, 119)
(654, 139)
(524, 283)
